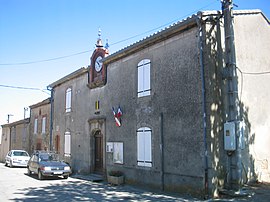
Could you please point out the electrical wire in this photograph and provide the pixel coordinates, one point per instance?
(249, 73)
(24, 88)
(45, 60)
(87, 51)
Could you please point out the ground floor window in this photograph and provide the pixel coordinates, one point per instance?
(144, 147)
(67, 151)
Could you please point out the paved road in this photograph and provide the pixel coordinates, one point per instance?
(16, 185)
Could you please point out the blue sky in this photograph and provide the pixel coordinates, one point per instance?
(38, 30)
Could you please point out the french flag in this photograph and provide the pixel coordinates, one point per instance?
(117, 116)
(119, 112)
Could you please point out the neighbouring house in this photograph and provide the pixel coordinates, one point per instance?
(70, 112)
(157, 110)
(14, 136)
(40, 116)
(5, 145)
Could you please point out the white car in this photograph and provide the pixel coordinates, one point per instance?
(18, 158)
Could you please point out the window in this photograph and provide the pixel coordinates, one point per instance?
(144, 147)
(144, 78)
(67, 144)
(68, 100)
(43, 128)
(35, 126)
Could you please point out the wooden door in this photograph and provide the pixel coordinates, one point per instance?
(98, 152)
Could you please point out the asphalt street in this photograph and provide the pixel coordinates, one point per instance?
(16, 185)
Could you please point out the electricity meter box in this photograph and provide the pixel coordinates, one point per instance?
(229, 136)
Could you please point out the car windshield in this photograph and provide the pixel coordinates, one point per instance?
(20, 153)
(48, 157)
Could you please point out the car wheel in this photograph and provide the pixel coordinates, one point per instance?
(29, 171)
(65, 176)
(40, 176)
(6, 164)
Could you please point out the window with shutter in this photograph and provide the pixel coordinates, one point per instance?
(43, 130)
(68, 100)
(67, 144)
(36, 126)
(144, 147)
(144, 78)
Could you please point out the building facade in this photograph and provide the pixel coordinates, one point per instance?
(40, 116)
(15, 136)
(157, 109)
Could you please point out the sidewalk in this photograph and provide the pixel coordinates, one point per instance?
(131, 193)
(254, 192)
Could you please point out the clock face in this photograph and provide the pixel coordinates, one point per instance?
(98, 64)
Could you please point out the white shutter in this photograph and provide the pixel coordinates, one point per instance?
(67, 143)
(144, 78)
(146, 82)
(43, 125)
(35, 126)
(140, 148)
(68, 100)
(140, 81)
(144, 147)
(147, 148)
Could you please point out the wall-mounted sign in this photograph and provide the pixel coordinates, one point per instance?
(109, 147)
(116, 148)
(118, 152)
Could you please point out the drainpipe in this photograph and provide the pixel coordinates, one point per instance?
(199, 19)
(51, 117)
(161, 152)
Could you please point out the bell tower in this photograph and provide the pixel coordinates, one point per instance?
(97, 70)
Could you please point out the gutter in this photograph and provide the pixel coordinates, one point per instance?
(200, 45)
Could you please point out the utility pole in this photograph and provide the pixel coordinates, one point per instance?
(233, 114)
(9, 115)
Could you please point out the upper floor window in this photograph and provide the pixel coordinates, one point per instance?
(43, 128)
(68, 100)
(35, 126)
(144, 147)
(144, 78)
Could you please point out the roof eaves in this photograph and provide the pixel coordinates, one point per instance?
(251, 12)
(44, 102)
(69, 77)
(27, 120)
(159, 36)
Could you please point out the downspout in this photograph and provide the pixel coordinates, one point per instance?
(161, 152)
(200, 43)
(51, 116)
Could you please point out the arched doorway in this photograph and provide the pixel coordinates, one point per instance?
(98, 148)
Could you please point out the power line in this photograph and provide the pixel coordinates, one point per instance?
(87, 51)
(24, 88)
(248, 73)
(253, 73)
(45, 60)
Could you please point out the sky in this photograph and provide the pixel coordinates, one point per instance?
(42, 41)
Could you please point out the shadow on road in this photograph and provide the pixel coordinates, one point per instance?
(88, 191)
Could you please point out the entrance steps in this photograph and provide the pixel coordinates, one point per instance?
(90, 177)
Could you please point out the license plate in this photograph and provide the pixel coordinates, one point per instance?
(58, 173)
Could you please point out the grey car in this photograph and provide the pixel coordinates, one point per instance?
(46, 164)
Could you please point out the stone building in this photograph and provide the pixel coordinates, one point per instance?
(40, 116)
(157, 109)
(14, 136)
